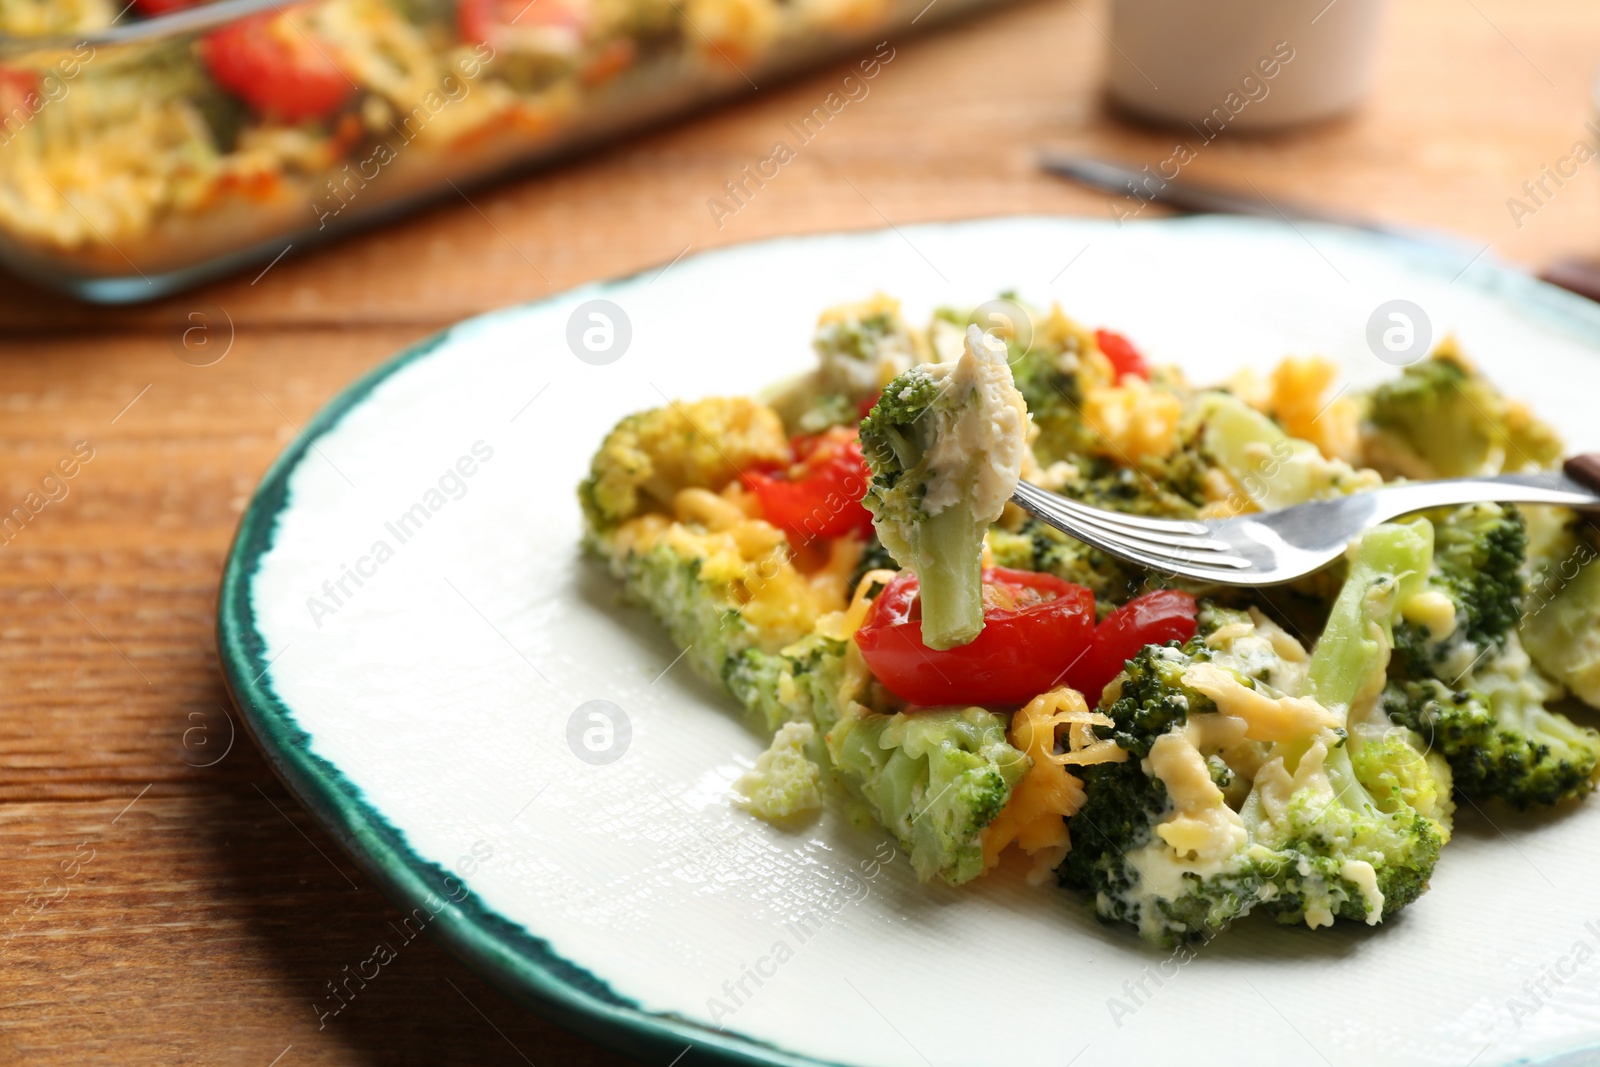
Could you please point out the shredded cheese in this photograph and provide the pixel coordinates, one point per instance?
(1283, 643)
(842, 625)
(1034, 817)
(1269, 718)
(1201, 826)
(1298, 386)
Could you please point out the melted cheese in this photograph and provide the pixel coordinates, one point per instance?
(1202, 835)
(1224, 635)
(830, 583)
(1226, 736)
(1137, 421)
(1283, 643)
(1268, 718)
(842, 625)
(1365, 877)
(1431, 610)
(1275, 785)
(1035, 815)
(1201, 826)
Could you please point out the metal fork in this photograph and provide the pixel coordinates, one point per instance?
(1271, 547)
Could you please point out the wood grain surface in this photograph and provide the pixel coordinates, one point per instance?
(167, 901)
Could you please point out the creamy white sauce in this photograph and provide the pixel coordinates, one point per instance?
(979, 442)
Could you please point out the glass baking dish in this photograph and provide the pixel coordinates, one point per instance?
(144, 153)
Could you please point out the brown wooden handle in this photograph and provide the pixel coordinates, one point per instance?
(1584, 469)
(1581, 276)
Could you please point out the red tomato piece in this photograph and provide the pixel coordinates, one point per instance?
(866, 406)
(1035, 626)
(277, 69)
(19, 89)
(1151, 619)
(1125, 359)
(821, 495)
(162, 7)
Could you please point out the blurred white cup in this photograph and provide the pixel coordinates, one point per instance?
(1244, 64)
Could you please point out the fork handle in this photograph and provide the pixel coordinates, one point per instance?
(1584, 469)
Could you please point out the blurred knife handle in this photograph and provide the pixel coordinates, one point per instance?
(1581, 276)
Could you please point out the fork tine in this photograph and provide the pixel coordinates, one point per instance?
(1179, 527)
(1217, 554)
(1194, 565)
(1149, 535)
(1147, 548)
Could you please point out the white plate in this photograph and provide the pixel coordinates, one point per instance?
(423, 714)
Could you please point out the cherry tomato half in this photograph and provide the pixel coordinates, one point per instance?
(1152, 619)
(1125, 359)
(276, 68)
(821, 496)
(1035, 626)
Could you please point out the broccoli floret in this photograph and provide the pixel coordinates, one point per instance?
(825, 411)
(1054, 374)
(935, 778)
(1150, 698)
(1518, 750)
(650, 456)
(1386, 808)
(1561, 612)
(1399, 776)
(1442, 419)
(1461, 677)
(1102, 483)
(945, 445)
(1474, 591)
(1344, 816)
(800, 683)
(785, 781)
(700, 609)
(1120, 854)
(860, 348)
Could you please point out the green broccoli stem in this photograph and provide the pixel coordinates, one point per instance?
(1349, 665)
(1389, 565)
(949, 566)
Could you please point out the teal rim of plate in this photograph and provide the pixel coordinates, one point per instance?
(518, 962)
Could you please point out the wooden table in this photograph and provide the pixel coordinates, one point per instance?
(192, 913)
